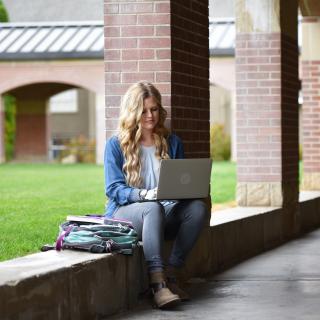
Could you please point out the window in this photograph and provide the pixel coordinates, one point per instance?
(65, 102)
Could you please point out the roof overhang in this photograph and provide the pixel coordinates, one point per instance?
(51, 41)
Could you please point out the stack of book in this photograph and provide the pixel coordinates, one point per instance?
(97, 219)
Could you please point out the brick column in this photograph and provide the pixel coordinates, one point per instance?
(100, 128)
(311, 102)
(2, 118)
(165, 42)
(267, 104)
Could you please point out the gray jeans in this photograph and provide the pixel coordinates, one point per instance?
(153, 222)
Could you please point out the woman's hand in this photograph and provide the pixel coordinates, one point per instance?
(151, 194)
(148, 195)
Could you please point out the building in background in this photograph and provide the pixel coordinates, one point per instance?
(73, 111)
(57, 76)
(54, 10)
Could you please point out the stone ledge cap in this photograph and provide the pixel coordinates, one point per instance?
(308, 195)
(34, 265)
(238, 213)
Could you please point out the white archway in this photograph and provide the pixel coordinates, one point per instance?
(80, 74)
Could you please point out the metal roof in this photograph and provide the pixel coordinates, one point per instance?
(85, 40)
(222, 36)
(53, 40)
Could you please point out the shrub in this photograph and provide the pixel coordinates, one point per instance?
(3, 13)
(9, 126)
(220, 143)
(82, 148)
(9, 107)
(300, 152)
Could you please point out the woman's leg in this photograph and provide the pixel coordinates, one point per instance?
(184, 222)
(148, 220)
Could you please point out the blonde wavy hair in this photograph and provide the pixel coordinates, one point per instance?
(130, 129)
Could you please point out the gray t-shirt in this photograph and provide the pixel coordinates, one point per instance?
(149, 167)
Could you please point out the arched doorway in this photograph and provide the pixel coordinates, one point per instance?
(37, 128)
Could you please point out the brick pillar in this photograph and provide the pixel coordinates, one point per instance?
(2, 146)
(267, 105)
(100, 128)
(311, 102)
(165, 42)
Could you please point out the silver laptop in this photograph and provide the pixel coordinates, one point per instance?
(184, 179)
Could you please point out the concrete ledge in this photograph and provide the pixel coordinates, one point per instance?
(76, 285)
(241, 232)
(309, 210)
(69, 285)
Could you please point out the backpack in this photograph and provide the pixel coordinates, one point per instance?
(95, 238)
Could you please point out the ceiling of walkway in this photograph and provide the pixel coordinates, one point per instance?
(40, 90)
(310, 7)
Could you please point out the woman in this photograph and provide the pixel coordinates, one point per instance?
(131, 174)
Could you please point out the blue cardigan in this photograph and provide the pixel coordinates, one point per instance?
(116, 188)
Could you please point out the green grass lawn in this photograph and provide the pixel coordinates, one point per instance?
(36, 198)
(223, 182)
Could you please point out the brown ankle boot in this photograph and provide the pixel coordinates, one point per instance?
(162, 296)
(172, 275)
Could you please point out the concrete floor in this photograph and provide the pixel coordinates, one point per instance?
(283, 283)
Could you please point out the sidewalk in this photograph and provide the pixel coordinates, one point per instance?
(280, 284)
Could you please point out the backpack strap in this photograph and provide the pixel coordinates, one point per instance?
(62, 236)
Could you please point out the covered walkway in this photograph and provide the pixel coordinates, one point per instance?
(283, 283)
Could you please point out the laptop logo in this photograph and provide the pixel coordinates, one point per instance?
(185, 178)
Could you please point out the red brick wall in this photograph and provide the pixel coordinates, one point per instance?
(31, 135)
(190, 75)
(311, 115)
(290, 86)
(258, 99)
(267, 110)
(137, 47)
(164, 42)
